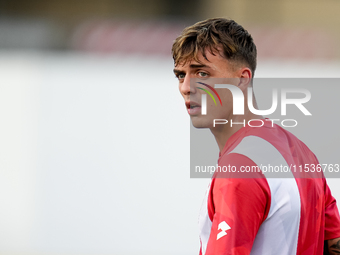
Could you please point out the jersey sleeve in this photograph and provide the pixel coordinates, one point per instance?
(332, 218)
(241, 203)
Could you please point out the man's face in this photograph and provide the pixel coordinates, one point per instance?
(203, 71)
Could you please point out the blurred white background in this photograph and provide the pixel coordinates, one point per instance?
(94, 135)
(94, 154)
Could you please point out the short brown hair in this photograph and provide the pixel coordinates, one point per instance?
(213, 34)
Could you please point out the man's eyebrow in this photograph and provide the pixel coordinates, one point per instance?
(198, 66)
(176, 71)
(193, 66)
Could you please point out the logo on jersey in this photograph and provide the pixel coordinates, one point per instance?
(223, 226)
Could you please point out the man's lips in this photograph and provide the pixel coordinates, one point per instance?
(193, 107)
(192, 104)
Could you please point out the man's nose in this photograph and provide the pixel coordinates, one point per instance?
(185, 87)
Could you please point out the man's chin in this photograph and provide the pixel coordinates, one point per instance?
(200, 124)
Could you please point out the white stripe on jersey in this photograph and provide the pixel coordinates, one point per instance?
(204, 222)
(285, 208)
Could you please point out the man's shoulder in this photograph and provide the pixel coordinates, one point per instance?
(267, 137)
(269, 148)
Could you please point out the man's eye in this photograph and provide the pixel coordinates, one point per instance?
(202, 74)
(180, 76)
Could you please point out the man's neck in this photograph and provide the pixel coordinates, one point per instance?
(224, 132)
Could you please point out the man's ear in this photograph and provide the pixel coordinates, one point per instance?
(245, 78)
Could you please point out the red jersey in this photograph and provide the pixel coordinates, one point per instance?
(264, 215)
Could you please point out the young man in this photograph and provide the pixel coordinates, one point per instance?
(257, 215)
